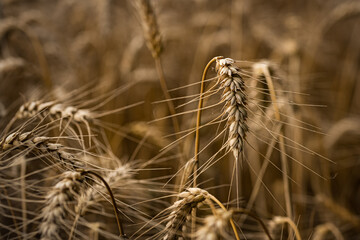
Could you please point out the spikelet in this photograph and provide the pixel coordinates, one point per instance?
(181, 210)
(235, 100)
(58, 203)
(188, 169)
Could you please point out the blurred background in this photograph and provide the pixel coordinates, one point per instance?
(311, 47)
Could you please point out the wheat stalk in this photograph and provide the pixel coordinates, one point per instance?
(154, 43)
(235, 101)
(103, 15)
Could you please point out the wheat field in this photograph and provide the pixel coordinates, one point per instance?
(189, 120)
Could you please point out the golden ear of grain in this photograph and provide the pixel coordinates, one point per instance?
(181, 210)
(40, 145)
(57, 204)
(235, 100)
(150, 27)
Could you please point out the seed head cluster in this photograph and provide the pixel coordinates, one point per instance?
(40, 144)
(58, 203)
(235, 100)
(181, 209)
(57, 110)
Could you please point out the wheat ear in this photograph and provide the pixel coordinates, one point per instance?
(150, 27)
(57, 110)
(235, 100)
(181, 210)
(52, 108)
(190, 199)
(18, 140)
(57, 204)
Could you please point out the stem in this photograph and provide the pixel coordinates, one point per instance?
(121, 230)
(197, 140)
(164, 88)
(198, 120)
(269, 82)
(23, 195)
